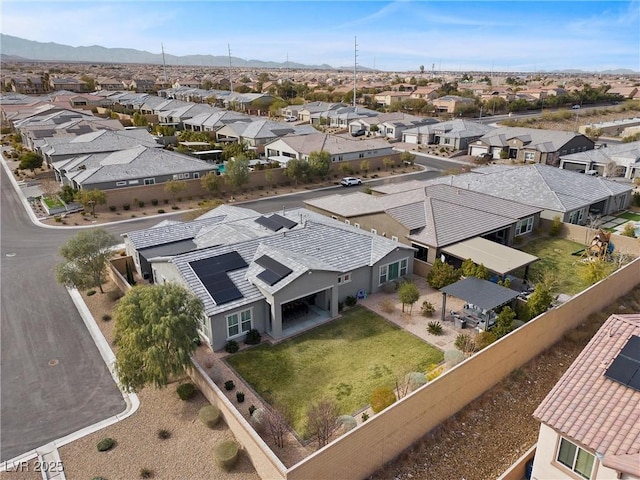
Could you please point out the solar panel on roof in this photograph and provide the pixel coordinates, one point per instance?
(625, 368)
(269, 277)
(268, 223)
(269, 263)
(285, 222)
(212, 272)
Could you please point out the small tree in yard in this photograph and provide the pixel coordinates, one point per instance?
(365, 166)
(276, 424)
(322, 420)
(504, 322)
(174, 187)
(155, 328)
(388, 163)
(210, 182)
(539, 301)
(91, 198)
(30, 161)
(407, 158)
(297, 170)
(85, 257)
(237, 172)
(320, 163)
(442, 274)
(409, 294)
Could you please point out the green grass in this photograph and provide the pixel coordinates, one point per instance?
(630, 216)
(53, 202)
(345, 359)
(555, 256)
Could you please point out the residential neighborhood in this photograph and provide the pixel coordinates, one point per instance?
(307, 272)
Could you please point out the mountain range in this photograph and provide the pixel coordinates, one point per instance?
(16, 49)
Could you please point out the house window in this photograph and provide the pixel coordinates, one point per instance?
(149, 181)
(186, 175)
(393, 270)
(121, 184)
(357, 225)
(529, 156)
(238, 323)
(133, 182)
(374, 231)
(524, 226)
(196, 174)
(575, 458)
(346, 278)
(348, 222)
(361, 155)
(421, 252)
(394, 238)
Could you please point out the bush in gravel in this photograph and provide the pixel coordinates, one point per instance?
(106, 317)
(91, 292)
(112, 208)
(146, 473)
(240, 397)
(161, 210)
(434, 328)
(350, 301)
(186, 391)
(253, 337)
(229, 385)
(209, 415)
(226, 454)
(258, 419)
(231, 346)
(427, 309)
(381, 398)
(164, 434)
(252, 409)
(347, 422)
(114, 295)
(106, 444)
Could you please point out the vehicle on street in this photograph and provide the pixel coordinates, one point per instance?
(290, 119)
(576, 107)
(349, 181)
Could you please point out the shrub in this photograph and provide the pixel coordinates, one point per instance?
(91, 292)
(252, 409)
(126, 206)
(427, 309)
(415, 380)
(231, 346)
(140, 203)
(229, 385)
(350, 301)
(114, 295)
(253, 337)
(106, 444)
(164, 434)
(106, 317)
(453, 357)
(259, 419)
(434, 328)
(226, 454)
(161, 210)
(154, 202)
(112, 208)
(381, 398)
(434, 372)
(240, 397)
(629, 230)
(146, 473)
(556, 226)
(347, 422)
(209, 415)
(442, 274)
(465, 343)
(165, 200)
(364, 416)
(175, 207)
(484, 339)
(186, 391)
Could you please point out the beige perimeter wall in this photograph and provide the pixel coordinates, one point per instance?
(368, 447)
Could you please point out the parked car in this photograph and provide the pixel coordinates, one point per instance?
(349, 181)
(576, 107)
(290, 119)
(358, 133)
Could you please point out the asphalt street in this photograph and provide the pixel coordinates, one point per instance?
(53, 380)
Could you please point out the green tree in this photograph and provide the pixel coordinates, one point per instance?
(297, 170)
(155, 328)
(174, 187)
(85, 256)
(237, 172)
(91, 198)
(388, 163)
(594, 271)
(504, 322)
(484, 339)
(482, 272)
(407, 158)
(442, 274)
(270, 178)
(468, 268)
(235, 150)
(210, 183)
(67, 193)
(409, 294)
(140, 120)
(539, 301)
(30, 161)
(320, 163)
(365, 166)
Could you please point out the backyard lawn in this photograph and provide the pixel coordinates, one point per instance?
(555, 256)
(345, 359)
(635, 217)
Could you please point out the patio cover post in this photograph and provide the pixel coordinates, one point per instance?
(444, 305)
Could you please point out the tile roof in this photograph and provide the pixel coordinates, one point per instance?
(542, 140)
(622, 154)
(99, 141)
(599, 413)
(334, 144)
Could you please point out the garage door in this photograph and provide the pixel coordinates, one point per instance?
(477, 151)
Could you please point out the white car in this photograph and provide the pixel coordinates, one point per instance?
(349, 181)
(290, 119)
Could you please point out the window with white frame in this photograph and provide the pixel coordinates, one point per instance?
(149, 181)
(186, 175)
(238, 323)
(392, 271)
(577, 216)
(347, 221)
(373, 230)
(524, 226)
(394, 238)
(134, 182)
(357, 225)
(346, 278)
(529, 156)
(121, 184)
(575, 458)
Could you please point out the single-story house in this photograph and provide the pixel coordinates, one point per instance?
(571, 196)
(451, 103)
(137, 166)
(388, 98)
(615, 160)
(177, 116)
(341, 148)
(589, 420)
(309, 111)
(530, 145)
(214, 121)
(277, 273)
(456, 133)
(259, 133)
(431, 218)
(389, 125)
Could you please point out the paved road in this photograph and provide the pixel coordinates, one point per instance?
(41, 402)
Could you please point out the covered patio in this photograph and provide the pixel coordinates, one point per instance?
(482, 297)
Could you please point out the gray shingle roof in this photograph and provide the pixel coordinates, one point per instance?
(99, 141)
(542, 140)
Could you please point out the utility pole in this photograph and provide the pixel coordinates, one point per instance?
(230, 75)
(164, 63)
(355, 68)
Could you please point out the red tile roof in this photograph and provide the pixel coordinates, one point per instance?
(599, 413)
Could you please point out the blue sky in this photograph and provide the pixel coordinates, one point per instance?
(391, 35)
